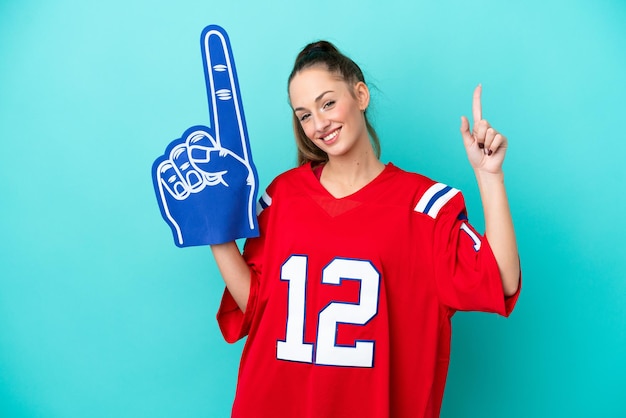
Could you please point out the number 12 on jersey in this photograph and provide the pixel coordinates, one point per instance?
(327, 352)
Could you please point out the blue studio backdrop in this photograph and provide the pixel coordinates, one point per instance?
(103, 315)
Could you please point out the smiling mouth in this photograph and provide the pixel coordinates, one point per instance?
(330, 136)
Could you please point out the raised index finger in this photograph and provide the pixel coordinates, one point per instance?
(227, 117)
(477, 109)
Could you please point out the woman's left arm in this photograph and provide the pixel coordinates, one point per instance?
(486, 149)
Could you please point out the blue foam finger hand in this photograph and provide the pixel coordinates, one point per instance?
(206, 182)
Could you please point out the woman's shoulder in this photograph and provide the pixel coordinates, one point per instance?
(292, 177)
(427, 195)
(293, 174)
(410, 178)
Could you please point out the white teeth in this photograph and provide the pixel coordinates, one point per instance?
(331, 136)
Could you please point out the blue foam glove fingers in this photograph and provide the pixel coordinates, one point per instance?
(229, 124)
(170, 181)
(200, 144)
(180, 159)
(223, 92)
(200, 136)
(213, 160)
(170, 189)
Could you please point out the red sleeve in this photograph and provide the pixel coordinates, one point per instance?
(234, 323)
(466, 272)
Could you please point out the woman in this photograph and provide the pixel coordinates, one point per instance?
(346, 296)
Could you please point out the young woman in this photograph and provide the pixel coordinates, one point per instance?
(346, 296)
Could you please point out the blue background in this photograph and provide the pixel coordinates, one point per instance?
(101, 315)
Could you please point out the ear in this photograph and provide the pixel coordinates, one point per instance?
(362, 94)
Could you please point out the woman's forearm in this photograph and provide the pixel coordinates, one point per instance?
(234, 270)
(499, 228)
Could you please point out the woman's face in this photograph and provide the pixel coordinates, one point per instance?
(330, 111)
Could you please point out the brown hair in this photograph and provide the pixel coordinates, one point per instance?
(325, 53)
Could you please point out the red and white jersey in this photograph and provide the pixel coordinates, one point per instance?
(351, 299)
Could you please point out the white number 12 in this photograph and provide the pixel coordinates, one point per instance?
(327, 352)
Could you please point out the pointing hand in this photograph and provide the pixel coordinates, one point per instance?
(484, 145)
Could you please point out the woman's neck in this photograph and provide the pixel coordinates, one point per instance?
(345, 176)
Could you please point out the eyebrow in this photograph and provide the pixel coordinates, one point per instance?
(317, 99)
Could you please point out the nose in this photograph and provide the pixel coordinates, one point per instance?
(321, 123)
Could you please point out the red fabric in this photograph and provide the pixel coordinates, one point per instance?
(425, 269)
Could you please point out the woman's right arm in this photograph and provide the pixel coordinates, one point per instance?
(235, 271)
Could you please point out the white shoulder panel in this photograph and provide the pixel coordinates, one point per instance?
(434, 199)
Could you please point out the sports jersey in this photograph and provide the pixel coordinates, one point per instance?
(351, 298)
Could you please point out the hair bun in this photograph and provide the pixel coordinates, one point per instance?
(316, 51)
(321, 46)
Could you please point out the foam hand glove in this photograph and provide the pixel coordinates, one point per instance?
(206, 182)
